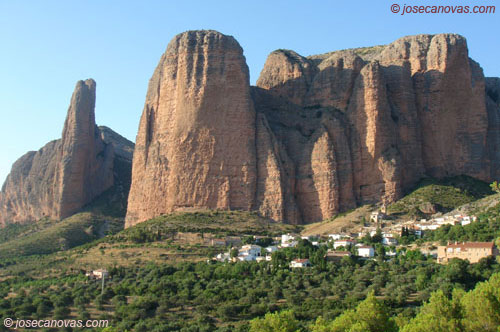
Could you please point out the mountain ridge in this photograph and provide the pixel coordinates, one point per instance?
(332, 131)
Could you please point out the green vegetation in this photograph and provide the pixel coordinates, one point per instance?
(219, 223)
(49, 236)
(11, 231)
(370, 315)
(204, 296)
(441, 195)
(495, 187)
(160, 283)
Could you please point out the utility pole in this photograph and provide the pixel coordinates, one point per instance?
(102, 285)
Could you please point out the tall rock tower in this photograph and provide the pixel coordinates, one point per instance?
(85, 164)
(65, 174)
(196, 142)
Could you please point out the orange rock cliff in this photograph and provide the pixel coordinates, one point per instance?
(318, 135)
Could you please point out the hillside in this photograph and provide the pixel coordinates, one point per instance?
(460, 194)
(50, 236)
(431, 196)
(167, 239)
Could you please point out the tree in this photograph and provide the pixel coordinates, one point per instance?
(377, 237)
(495, 187)
(438, 315)
(283, 321)
(61, 312)
(250, 239)
(380, 252)
(371, 315)
(482, 306)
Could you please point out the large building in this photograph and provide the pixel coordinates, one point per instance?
(471, 251)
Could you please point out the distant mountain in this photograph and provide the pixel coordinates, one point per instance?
(67, 174)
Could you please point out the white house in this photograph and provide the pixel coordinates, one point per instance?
(389, 241)
(431, 227)
(97, 274)
(246, 258)
(339, 236)
(250, 250)
(366, 251)
(467, 220)
(289, 240)
(343, 243)
(289, 244)
(223, 257)
(299, 263)
(271, 249)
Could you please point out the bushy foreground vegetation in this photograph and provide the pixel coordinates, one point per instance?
(407, 293)
(234, 296)
(476, 310)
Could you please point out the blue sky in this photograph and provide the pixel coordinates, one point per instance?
(48, 45)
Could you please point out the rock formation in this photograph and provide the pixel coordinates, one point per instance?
(318, 135)
(66, 174)
(196, 140)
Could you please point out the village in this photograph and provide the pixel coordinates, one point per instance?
(348, 244)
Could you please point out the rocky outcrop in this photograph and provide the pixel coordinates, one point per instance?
(318, 135)
(196, 142)
(65, 175)
(413, 108)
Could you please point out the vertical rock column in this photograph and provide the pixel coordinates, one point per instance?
(196, 142)
(85, 164)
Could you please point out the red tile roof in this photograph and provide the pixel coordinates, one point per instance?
(488, 245)
(301, 260)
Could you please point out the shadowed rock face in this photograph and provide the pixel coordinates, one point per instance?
(318, 135)
(59, 179)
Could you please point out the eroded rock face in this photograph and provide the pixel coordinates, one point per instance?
(65, 175)
(410, 109)
(84, 168)
(318, 135)
(196, 142)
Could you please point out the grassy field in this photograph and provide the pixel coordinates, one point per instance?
(340, 223)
